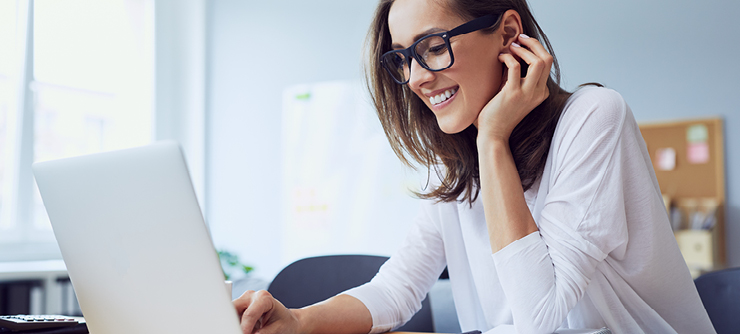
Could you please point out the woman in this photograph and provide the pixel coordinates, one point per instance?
(547, 212)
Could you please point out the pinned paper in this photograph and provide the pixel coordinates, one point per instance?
(303, 96)
(697, 153)
(665, 159)
(697, 134)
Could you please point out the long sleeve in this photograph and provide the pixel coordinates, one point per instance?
(395, 294)
(545, 274)
(604, 255)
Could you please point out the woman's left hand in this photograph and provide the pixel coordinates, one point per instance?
(518, 96)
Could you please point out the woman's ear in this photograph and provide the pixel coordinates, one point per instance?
(511, 27)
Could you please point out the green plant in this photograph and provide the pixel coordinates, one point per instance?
(231, 265)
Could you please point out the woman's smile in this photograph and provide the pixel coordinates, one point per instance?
(457, 94)
(441, 98)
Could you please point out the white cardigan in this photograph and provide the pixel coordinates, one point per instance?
(604, 255)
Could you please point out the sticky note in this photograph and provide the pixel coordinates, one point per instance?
(304, 96)
(697, 153)
(697, 133)
(665, 159)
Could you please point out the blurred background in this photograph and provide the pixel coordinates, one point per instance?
(268, 103)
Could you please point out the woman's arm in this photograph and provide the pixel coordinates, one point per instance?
(507, 215)
(260, 313)
(339, 314)
(583, 218)
(396, 293)
(545, 274)
(390, 299)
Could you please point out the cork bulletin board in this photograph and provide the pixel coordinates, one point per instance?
(691, 176)
(688, 158)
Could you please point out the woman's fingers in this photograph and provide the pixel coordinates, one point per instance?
(254, 309)
(514, 75)
(518, 96)
(241, 303)
(543, 57)
(534, 84)
(534, 70)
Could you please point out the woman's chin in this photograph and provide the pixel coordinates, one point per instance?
(452, 127)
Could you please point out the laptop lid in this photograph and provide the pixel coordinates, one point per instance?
(136, 247)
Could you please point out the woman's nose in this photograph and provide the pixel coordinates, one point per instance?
(419, 75)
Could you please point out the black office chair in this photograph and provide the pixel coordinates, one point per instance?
(314, 279)
(720, 294)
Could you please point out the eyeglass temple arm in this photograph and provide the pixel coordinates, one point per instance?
(477, 24)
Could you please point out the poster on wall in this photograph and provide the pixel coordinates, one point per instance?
(344, 190)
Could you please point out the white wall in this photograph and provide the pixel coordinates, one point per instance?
(668, 59)
(258, 48)
(180, 28)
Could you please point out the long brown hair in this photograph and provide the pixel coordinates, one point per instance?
(412, 128)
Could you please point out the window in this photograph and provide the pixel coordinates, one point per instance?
(84, 84)
(7, 40)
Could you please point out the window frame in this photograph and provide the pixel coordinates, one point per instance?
(179, 96)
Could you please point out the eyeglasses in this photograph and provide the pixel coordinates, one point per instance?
(432, 52)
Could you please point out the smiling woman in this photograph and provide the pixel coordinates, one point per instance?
(546, 210)
(412, 129)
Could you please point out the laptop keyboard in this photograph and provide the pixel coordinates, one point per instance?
(29, 322)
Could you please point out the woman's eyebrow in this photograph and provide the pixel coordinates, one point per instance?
(418, 36)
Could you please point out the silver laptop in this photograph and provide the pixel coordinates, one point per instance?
(133, 238)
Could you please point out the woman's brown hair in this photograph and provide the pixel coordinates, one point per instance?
(412, 128)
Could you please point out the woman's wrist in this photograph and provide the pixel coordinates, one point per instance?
(488, 141)
(491, 131)
(303, 319)
(339, 314)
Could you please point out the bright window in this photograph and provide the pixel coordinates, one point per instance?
(91, 90)
(8, 11)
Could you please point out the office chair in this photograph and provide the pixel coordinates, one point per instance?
(720, 294)
(311, 280)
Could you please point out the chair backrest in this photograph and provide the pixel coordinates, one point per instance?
(720, 294)
(311, 280)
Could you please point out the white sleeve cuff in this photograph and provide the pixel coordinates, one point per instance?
(371, 296)
(517, 246)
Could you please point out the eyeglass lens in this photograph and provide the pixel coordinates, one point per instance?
(432, 53)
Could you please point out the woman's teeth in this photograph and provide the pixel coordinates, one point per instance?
(437, 99)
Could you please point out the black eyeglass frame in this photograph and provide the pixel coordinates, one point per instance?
(410, 52)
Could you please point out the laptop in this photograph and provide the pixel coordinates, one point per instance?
(138, 252)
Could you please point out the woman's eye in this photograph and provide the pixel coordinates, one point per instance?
(398, 60)
(438, 49)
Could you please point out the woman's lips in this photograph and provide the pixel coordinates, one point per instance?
(444, 98)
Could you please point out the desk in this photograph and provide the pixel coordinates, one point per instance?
(509, 329)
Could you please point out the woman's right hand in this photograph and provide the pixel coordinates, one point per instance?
(260, 313)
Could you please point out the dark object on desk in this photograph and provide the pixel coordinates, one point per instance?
(720, 293)
(314, 279)
(80, 328)
(15, 296)
(22, 322)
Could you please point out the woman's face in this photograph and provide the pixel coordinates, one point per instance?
(475, 77)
